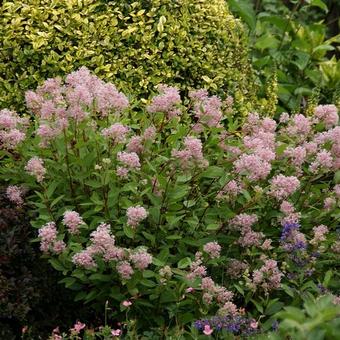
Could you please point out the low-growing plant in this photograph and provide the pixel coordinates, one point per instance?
(168, 210)
(319, 318)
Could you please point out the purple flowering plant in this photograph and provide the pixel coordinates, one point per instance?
(172, 204)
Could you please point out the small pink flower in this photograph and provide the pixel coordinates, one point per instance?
(253, 324)
(14, 194)
(35, 167)
(207, 330)
(24, 329)
(135, 215)
(116, 332)
(56, 330)
(78, 326)
(189, 290)
(126, 303)
(213, 249)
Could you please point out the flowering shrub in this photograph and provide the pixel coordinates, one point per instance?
(170, 207)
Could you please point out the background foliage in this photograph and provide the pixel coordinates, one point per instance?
(135, 44)
(298, 41)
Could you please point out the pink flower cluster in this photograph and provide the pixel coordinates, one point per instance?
(72, 221)
(167, 101)
(102, 243)
(297, 156)
(49, 242)
(213, 249)
(328, 114)
(243, 223)
(299, 127)
(84, 259)
(141, 259)
(191, 154)
(230, 190)
(130, 161)
(137, 143)
(221, 295)
(236, 268)
(329, 203)
(12, 129)
(78, 326)
(268, 277)
(56, 103)
(331, 137)
(125, 270)
(35, 167)
(116, 132)
(207, 109)
(135, 215)
(336, 190)
(197, 270)
(260, 143)
(283, 186)
(290, 215)
(14, 194)
(320, 233)
(323, 161)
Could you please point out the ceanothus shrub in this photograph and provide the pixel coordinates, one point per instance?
(169, 205)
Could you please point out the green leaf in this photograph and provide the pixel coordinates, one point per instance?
(69, 281)
(257, 305)
(288, 290)
(157, 262)
(100, 277)
(213, 226)
(183, 263)
(213, 172)
(337, 177)
(267, 41)
(80, 296)
(168, 296)
(56, 265)
(327, 278)
(55, 201)
(148, 283)
(273, 308)
(174, 237)
(318, 3)
(148, 273)
(245, 10)
(149, 237)
(51, 188)
(128, 231)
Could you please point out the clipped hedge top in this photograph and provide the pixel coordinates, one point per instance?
(190, 43)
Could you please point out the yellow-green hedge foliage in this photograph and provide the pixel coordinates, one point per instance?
(136, 45)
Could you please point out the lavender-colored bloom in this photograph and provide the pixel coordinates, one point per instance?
(287, 229)
(275, 326)
(235, 324)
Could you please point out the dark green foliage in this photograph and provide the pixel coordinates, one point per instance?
(299, 41)
(29, 290)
